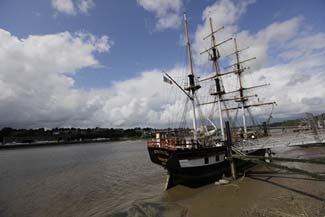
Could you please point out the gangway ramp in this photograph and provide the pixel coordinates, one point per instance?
(281, 139)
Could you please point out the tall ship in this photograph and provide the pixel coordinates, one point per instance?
(199, 156)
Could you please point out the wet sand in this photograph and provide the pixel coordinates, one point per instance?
(260, 194)
(263, 191)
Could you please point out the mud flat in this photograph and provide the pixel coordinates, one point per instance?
(262, 191)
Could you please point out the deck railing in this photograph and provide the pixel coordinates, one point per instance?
(173, 143)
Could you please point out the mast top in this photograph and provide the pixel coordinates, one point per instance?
(192, 83)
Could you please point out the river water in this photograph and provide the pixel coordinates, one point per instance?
(77, 180)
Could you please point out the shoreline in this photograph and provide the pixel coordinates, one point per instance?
(66, 143)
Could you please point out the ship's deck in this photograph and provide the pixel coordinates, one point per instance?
(174, 143)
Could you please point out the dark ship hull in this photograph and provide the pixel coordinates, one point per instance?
(195, 167)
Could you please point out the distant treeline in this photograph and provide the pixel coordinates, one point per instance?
(319, 119)
(287, 123)
(8, 135)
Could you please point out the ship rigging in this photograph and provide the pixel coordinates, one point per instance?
(201, 156)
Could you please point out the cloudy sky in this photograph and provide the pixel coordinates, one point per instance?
(96, 63)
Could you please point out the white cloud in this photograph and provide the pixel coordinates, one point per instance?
(275, 35)
(71, 7)
(167, 12)
(289, 56)
(85, 5)
(35, 88)
(226, 13)
(297, 86)
(64, 6)
(223, 13)
(141, 101)
(304, 46)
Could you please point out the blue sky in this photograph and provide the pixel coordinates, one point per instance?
(138, 46)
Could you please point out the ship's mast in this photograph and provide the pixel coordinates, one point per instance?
(219, 91)
(191, 77)
(214, 57)
(242, 99)
(241, 91)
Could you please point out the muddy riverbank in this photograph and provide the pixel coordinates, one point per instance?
(262, 191)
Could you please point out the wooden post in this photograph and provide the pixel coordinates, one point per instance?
(229, 144)
(265, 129)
